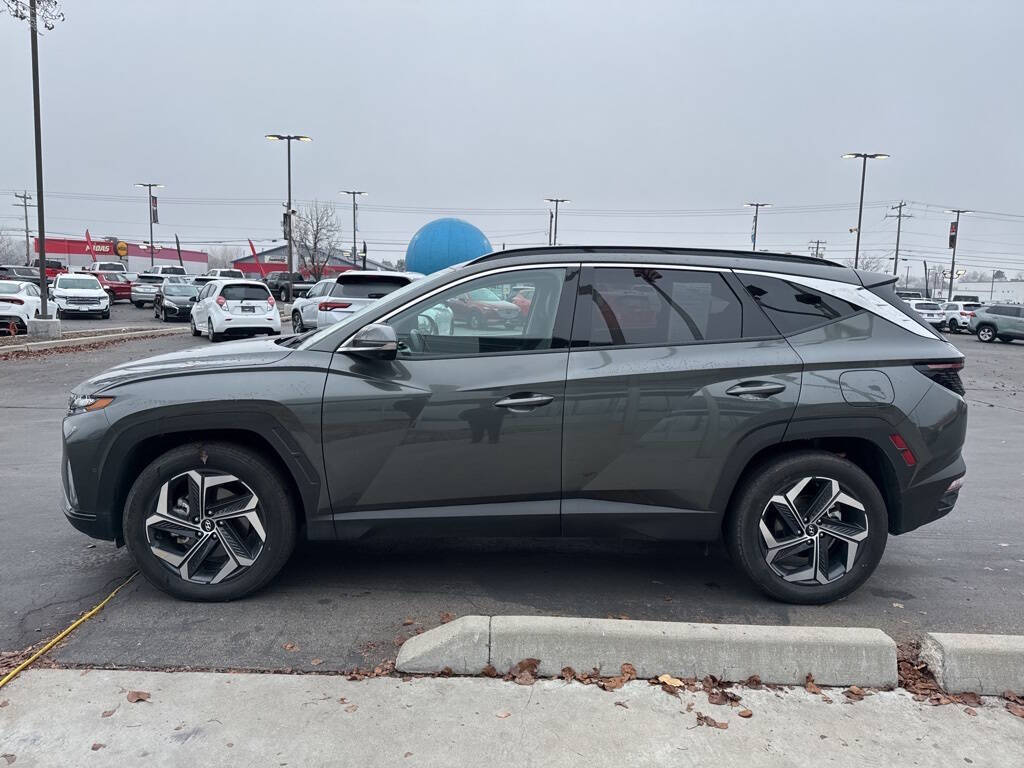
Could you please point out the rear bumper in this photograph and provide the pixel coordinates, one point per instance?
(931, 499)
(247, 324)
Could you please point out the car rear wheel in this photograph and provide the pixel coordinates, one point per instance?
(192, 325)
(210, 522)
(986, 333)
(140, 305)
(297, 325)
(953, 326)
(210, 333)
(476, 320)
(808, 527)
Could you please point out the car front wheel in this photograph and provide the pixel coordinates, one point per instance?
(297, 325)
(808, 527)
(986, 333)
(210, 522)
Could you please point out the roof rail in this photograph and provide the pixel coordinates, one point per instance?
(676, 251)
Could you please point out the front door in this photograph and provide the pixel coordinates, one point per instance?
(670, 371)
(462, 432)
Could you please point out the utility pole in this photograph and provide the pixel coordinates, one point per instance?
(33, 21)
(927, 283)
(954, 236)
(149, 187)
(556, 201)
(900, 216)
(25, 204)
(288, 138)
(355, 193)
(817, 247)
(906, 280)
(753, 235)
(551, 218)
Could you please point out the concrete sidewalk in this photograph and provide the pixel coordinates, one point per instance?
(74, 717)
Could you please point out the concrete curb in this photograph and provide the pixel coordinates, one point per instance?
(984, 664)
(782, 655)
(80, 341)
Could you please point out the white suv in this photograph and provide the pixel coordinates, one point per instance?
(336, 298)
(958, 315)
(225, 274)
(79, 294)
(235, 307)
(162, 270)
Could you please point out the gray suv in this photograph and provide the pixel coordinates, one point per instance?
(797, 408)
(999, 321)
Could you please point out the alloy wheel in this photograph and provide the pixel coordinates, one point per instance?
(206, 527)
(986, 333)
(297, 323)
(811, 532)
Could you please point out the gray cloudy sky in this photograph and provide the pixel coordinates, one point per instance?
(627, 108)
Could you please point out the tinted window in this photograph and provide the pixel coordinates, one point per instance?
(245, 293)
(658, 306)
(78, 282)
(368, 286)
(929, 306)
(793, 307)
(451, 323)
(172, 270)
(179, 290)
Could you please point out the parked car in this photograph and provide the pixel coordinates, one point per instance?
(105, 266)
(116, 284)
(930, 311)
(52, 268)
(174, 300)
(79, 294)
(958, 314)
(999, 321)
(278, 284)
(904, 294)
(143, 290)
(482, 307)
(19, 301)
(333, 299)
(693, 422)
(235, 308)
(968, 297)
(165, 270)
(20, 274)
(225, 273)
(522, 297)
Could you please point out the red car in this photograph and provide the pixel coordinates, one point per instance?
(53, 268)
(479, 308)
(522, 298)
(117, 286)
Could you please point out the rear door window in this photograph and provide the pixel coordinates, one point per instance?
(795, 308)
(367, 286)
(644, 306)
(245, 293)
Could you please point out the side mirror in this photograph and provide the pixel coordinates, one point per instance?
(377, 341)
(192, 299)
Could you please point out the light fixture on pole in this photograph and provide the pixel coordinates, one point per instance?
(557, 201)
(865, 156)
(149, 187)
(753, 235)
(288, 138)
(355, 193)
(954, 233)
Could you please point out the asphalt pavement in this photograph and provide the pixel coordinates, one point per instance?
(337, 606)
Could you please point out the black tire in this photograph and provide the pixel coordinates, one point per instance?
(297, 325)
(210, 334)
(58, 314)
(278, 514)
(192, 325)
(105, 315)
(986, 333)
(953, 326)
(742, 527)
(140, 304)
(110, 296)
(476, 320)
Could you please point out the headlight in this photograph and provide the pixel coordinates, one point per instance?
(80, 403)
(170, 304)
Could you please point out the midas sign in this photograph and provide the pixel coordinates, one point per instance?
(101, 248)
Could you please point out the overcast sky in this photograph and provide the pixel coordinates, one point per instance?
(450, 106)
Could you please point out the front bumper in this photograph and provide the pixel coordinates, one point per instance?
(175, 312)
(82, 309)
(79, 447)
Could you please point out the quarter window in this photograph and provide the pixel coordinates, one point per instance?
(648, 306)
(794, 308)
(486, 316)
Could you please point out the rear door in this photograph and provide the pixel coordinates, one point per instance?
(675, 376)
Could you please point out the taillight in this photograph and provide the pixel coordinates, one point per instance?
(966, 314)
(901, 445)
(13, 301)
(220, 301)
(327, 306)
(270, 301)
(944, 374)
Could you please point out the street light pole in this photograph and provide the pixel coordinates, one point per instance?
(865, 156)
(956, 239)
(757, 207)
(288, 138)
(355, 193)
(149, 187)
(557, 201)
(33, 21)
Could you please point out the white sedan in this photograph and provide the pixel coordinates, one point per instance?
(19, 301)
(235, 308)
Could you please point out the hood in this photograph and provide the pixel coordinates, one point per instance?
(236, 354)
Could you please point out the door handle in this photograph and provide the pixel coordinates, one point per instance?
(523, 403)
(759, 389)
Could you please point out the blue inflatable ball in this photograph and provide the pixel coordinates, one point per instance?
(444, 242)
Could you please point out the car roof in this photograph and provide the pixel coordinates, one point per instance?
(375, 273)
(17, 282)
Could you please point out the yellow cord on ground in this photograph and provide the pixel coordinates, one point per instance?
(74, 625)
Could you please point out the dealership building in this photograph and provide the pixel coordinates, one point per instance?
(76, 253)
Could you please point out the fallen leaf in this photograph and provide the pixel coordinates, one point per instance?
(342, 700)
(970, 711)
(1008, 695)
(710, 722)
(525, 672)
(675, 682)
(752, 682)
(689, 707)
(810, 686)
(853, 693)
(316, 662)
(136, 696)
(351, 707)
(970, 699)
(826, 698)
(446, 617)
(568, 674)
(4, 703)
(290, 646)
(446, 672)
(407, 754)
(503, 715)
(408, 623)
(745, 713)
(108, 712)
(717, 698)
(628, 671)
(621, 704)
(97, 747)
(489, 671)
(1015, 709)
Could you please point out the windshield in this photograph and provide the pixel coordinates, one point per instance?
(150, 279)
(172, 270)
(231, 273)
(179, 289)
(927, 305)
(77, 283)
(110, 266)
(367, 286)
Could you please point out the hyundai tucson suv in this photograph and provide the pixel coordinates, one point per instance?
(999, 321)
(796, 408)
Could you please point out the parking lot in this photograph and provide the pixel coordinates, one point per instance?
(345, 605)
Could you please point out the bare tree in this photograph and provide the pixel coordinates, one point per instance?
(11, 251)
(221, 256)
(48, 12)
(317, 237)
